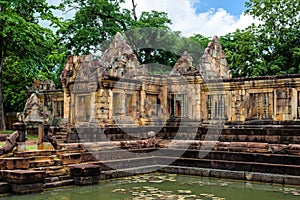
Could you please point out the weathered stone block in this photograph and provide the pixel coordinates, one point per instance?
(278, 179)
(71, 158)
(261, 177)
(24, 176)
(14, 163)
(88, 180)
(85, 170)
(292, 180)
(205, 172)
(4, 187)
(27, 188)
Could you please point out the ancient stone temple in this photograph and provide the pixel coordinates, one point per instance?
(118, 90)
(114, 118)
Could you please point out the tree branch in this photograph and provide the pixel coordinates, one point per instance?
(133, 10)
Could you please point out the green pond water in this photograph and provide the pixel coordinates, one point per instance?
(168, 186)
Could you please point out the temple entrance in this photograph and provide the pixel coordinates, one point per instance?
(178, 108)
(177, 105)
(82, 111)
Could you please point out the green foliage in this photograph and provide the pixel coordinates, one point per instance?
(271, 48)
(94, 22)
(242, 50)
(25, 47)
(160, 48)
(203, 41)
(32, 137)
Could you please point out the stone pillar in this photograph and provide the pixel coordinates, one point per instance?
(40, 136)
(43, 143)
(142, 117)
(72, 108)
(164, 101)
(21, 141)
(134, 100)
(66, 106)
(142, 102)
(93, 108)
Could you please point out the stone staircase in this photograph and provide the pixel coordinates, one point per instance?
(269, 154)
(257, 154)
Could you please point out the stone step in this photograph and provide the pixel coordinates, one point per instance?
(232, 156)
(52, 171)
(252, 147)
(117, 154)
(4, 187)
(270, 131)
(58, 181)
(233, 165)
(232, 174)
(34, 153)
(14, 163)
(70, 158)
(274, 139)
(110, 174)
(42, 163)
(125, 163)
(64, 147)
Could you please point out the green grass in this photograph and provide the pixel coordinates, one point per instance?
(32, 137)
(31, 147)
(29, 137)
(7, 132)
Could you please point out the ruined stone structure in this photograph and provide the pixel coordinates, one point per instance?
(50, 100)
(117, 90)
(197, 120)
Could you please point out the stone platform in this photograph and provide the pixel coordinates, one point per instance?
(255, 154)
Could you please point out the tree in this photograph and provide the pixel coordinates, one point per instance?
(94, 22)
(270, 48)
(97, 21)
(280, 32)
(24, 44)
(243, 52)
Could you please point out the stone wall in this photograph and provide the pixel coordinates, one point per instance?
(117, 90)
(273, 98)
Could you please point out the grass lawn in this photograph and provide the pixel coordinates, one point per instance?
(30, 137)
(7, 132)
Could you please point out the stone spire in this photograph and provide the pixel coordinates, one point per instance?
(119, 59)
(214, 64)
(184, 64)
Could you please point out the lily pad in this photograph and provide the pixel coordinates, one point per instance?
(184, 191)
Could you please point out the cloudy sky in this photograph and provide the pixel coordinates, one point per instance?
(205, 17)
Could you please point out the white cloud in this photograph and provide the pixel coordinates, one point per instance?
(184, 17)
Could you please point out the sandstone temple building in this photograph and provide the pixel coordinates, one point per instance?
(118, 90)
(113, 117)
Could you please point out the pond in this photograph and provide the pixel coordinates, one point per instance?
(168, 186)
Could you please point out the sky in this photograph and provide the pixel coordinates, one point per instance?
(205, 17)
